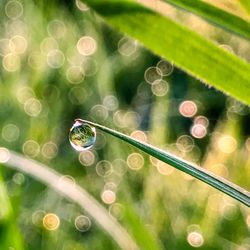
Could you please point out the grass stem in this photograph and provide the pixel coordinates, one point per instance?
(202, 174)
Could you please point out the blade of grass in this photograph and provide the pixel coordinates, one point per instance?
(204, 175)
(72, 192)
(8, 222)
(188, 50)
(246, 5)
(219, 17)
(144, 238)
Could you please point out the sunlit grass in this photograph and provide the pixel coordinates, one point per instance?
(51, 74)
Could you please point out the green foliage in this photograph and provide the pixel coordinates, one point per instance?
(246, 5)
(197, 172)
(216, 16)
(10, 236)
(142, 235)
(47, 82)
(176, 43)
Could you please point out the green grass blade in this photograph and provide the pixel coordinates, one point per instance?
(219, 17)
(188, 50)
(136, 227)
(217, 182)
(246, 5)
(72, 192)
(8, 222)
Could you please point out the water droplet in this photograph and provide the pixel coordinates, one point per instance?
(82, 136)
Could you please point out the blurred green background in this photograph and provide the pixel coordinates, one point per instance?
(59, 61)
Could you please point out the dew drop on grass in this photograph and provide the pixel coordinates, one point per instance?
(82, 136)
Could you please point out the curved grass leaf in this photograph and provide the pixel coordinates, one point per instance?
(214, 15)
(188, 50)
(204, 175)
(246, 5)
(72, 192)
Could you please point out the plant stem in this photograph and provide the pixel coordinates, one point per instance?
(202, 174)
(74, 193)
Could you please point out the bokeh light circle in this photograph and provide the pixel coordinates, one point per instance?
(82, 223)
(165, 68)
(188, 108)
(86, 45)
(135, 161)
(152, 74)
(13, 9)
(51, 221)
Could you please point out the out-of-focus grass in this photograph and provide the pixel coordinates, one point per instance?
(40, 98)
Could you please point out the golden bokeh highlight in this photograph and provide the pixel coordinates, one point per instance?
(51, 221)
(11, 62)
(31, 148)
(139, 135)
(18, 44)
(49, 150)
(227, 144)
(32, 107)
(135, 161)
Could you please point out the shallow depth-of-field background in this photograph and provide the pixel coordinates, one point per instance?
(59, 61)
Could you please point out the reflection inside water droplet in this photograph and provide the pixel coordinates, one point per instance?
(82, 136)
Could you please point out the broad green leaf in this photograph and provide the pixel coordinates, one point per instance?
(214, 15)
(202, 174)
(246, 5)
(188, 50)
